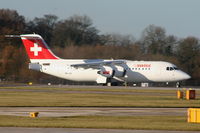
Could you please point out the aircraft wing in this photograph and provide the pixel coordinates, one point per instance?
(30, 36)
(99, 64)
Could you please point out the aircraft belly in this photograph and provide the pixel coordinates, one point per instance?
(137, 77)
(83, 75)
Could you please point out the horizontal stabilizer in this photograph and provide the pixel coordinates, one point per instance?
(35, 46)
(12, 36)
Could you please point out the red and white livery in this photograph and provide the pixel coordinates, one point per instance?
(99, 70)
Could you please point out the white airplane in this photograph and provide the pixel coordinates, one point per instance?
(97, 70)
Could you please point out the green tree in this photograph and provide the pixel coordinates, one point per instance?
(188, 53)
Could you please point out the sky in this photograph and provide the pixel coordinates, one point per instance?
(179, 17)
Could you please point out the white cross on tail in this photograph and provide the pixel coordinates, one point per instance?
(36, 49)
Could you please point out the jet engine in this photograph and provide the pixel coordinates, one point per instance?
(119, 71)
(106, 71)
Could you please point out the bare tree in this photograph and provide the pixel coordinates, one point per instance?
(118, 39)
(77, 30)
(153, 39)
(188, 53)
(43, 26)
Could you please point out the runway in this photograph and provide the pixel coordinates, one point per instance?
(87, 111)
(80, 130)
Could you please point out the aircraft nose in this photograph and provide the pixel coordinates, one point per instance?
(180, 75)
(185, 76)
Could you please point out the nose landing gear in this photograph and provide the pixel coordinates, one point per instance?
(178, 85)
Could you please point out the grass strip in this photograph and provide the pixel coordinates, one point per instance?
(117, 89)
(143, 98)
(107, 122)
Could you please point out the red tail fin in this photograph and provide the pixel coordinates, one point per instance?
(36, 47)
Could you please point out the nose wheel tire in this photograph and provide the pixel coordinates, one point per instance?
(178, 85)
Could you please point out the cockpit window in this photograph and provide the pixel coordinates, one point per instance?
(171, 68)
(167, 68)
(175, 68)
